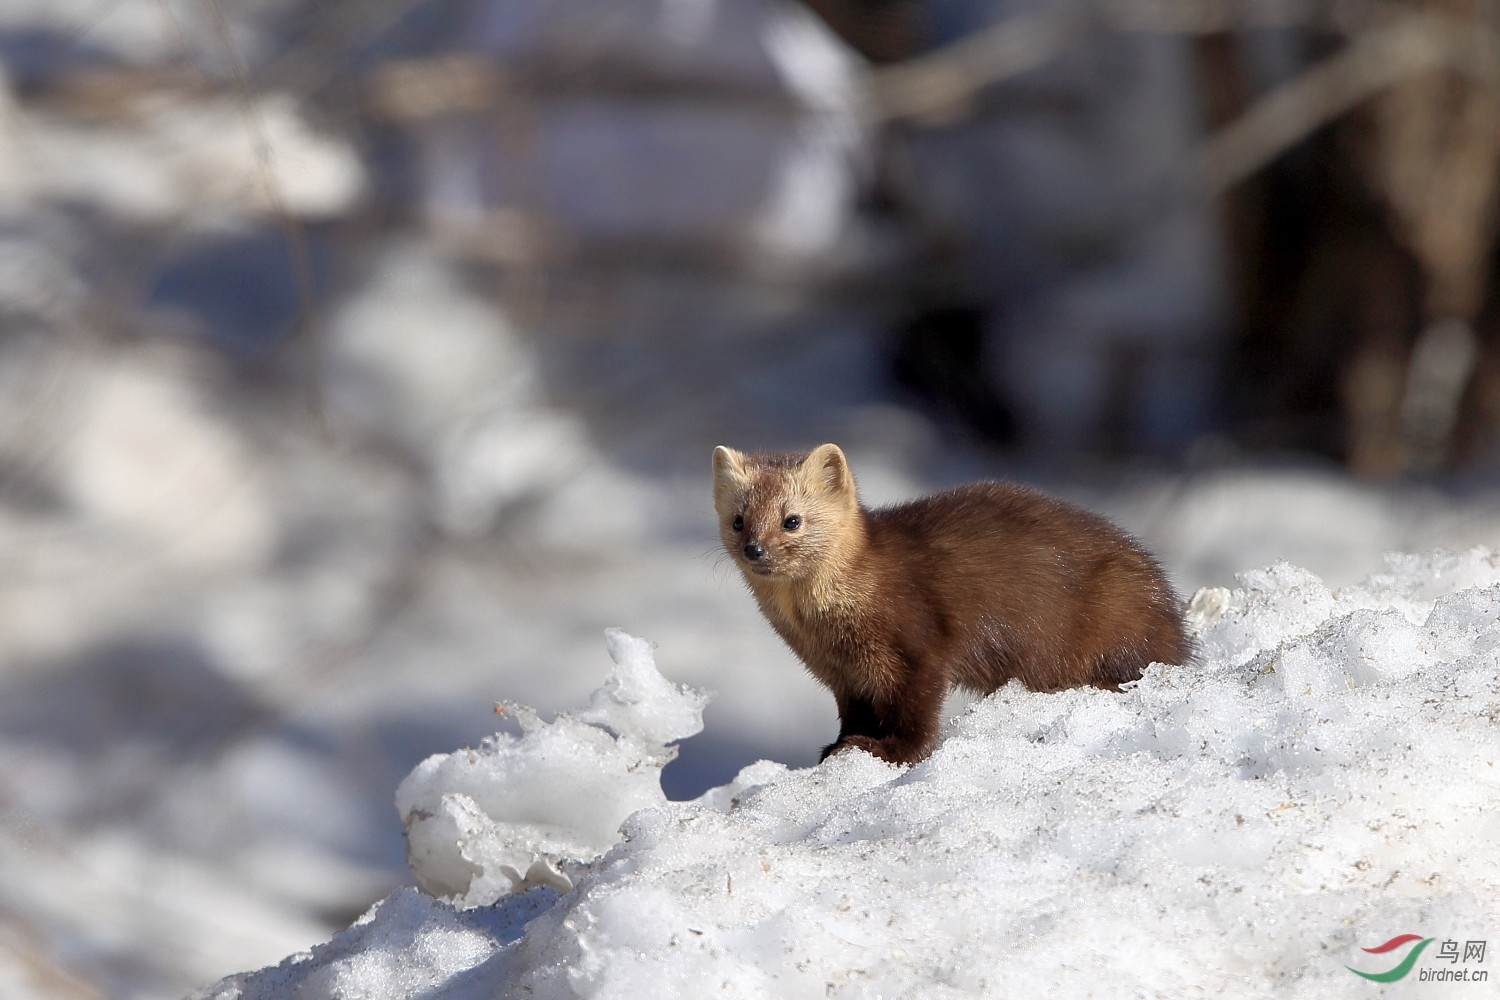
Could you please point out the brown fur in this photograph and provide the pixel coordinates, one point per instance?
(973, 586)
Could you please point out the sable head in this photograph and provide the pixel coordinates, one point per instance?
(784, 516)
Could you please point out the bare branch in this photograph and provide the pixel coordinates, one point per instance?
(942, 82)
(1373, 61)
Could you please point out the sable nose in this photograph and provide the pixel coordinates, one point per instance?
(753, 551)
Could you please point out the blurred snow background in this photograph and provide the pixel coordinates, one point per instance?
(360, 362)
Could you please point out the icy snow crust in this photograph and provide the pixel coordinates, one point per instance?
(507, 816)
(1324, 779)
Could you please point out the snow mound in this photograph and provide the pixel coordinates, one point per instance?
(516, 811)
(1322, 780)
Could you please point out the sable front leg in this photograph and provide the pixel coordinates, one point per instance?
(901, 730)
(858, 726)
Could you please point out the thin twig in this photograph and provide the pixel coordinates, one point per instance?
(306, 67)
(291, 227)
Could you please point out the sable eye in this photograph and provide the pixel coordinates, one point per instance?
(739, 523)
(792, 523)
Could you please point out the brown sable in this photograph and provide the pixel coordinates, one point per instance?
(973, 586)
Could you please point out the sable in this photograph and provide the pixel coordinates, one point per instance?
(973, 586)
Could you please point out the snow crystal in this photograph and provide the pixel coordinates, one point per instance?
(406, 944)
(638, 704)
(506, 816)
(1323, 779)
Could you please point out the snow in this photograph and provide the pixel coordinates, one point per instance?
(235, 699)
(480, 822)
(180, 160)
(464, 399)
(1323, 778)
(229, 626)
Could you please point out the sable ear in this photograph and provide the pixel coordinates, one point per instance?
(827, 468)
(729, 471)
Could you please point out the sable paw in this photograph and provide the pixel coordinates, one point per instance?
(894, 750)
(868, 744)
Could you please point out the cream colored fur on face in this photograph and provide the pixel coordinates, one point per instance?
(820, 490)
(806, 564)
(817, 580)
